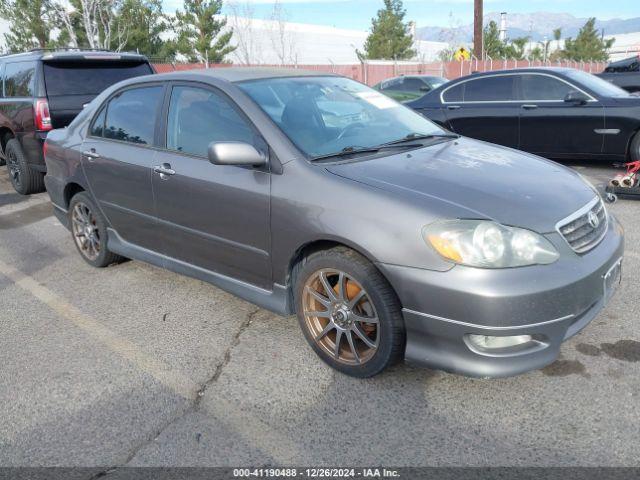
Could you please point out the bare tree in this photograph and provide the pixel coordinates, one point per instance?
(282, 40)
(242, 22)
(98, 20)
(63, 11)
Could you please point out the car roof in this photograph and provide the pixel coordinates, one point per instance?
(73, 55)
(241, 74)
(557, 70)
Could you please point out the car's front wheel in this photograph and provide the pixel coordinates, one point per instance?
(348, 312)
(89, 231)
(634, 152)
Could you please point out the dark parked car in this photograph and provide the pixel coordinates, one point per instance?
(409, 87)
(388, 236)
(624, 73)
(553, 112)
(43, 89)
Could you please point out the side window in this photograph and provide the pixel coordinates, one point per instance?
(413, 85)
(19, 79)
(542, 87)
(131, 115)
(198, 116)
(490, 89)
(455, 93)
(97, 128)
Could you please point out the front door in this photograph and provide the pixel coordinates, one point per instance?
(117, 161)
(214, 217)
(484, 108)
(550, 126)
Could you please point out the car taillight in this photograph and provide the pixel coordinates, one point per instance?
(43, 118)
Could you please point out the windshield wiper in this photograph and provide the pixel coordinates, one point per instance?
(354, 150)
(420, 136)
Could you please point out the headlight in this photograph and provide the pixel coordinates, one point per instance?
(486, 244)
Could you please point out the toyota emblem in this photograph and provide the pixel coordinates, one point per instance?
(594, 221)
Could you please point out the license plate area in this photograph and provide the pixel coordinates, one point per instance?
(612, 279)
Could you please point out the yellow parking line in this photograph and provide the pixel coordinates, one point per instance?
(159, 370)
(255, 431)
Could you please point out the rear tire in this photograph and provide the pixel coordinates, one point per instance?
(89, 232)
(24, 178)
(634, 151)
(337, 328)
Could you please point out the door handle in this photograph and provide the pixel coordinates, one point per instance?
(91, 154)
(164, 170)
(529, 106)
(453, 107)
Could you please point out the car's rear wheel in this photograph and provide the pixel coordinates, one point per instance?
(89, 231)
(348, 312)
(634, 151)
(25, 179)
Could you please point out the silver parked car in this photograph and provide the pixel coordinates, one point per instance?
(313, 194)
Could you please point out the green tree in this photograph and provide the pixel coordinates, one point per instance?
(514, 50)
(389, 38)
(144, 23)
(557, 34)
(200, 35)
(588, 45)
(493, 46)
(29, 24)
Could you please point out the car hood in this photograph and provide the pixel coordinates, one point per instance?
(478, 180)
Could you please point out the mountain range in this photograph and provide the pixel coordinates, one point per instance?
(537, 25)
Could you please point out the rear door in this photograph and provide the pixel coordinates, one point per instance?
(484, 108)
(72, 84)
(118, 154)
(550, 126)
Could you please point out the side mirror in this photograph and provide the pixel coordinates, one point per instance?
(576, 98)
(425, 88)
(235, 153)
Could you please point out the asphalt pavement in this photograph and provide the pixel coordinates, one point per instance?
(134, 365)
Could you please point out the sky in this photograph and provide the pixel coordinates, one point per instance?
(357, 14)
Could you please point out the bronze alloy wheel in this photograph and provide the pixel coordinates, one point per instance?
(341, 317)
(85, 231)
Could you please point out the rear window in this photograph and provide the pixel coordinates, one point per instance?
(19, 79)
(88, 78)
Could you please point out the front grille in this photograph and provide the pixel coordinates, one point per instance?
(579, 230)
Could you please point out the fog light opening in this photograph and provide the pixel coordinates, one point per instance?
(488, 342)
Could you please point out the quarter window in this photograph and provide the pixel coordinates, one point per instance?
(131, 115)
(19, 79)
(542, 87)
(490, 89)
(198, 117)
(97, 129)
(455, 93)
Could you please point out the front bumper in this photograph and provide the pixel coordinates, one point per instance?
(550, 303)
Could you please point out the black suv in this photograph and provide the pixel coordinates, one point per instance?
(43, 89)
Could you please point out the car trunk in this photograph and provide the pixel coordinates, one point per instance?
(72, 84)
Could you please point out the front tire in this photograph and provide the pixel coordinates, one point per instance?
(89, 232)
(634, 151)
(348, 312)
(24, 178)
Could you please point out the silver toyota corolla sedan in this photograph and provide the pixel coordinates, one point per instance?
(313, 194)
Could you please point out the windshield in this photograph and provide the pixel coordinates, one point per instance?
(325, 115)
(598, 85)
